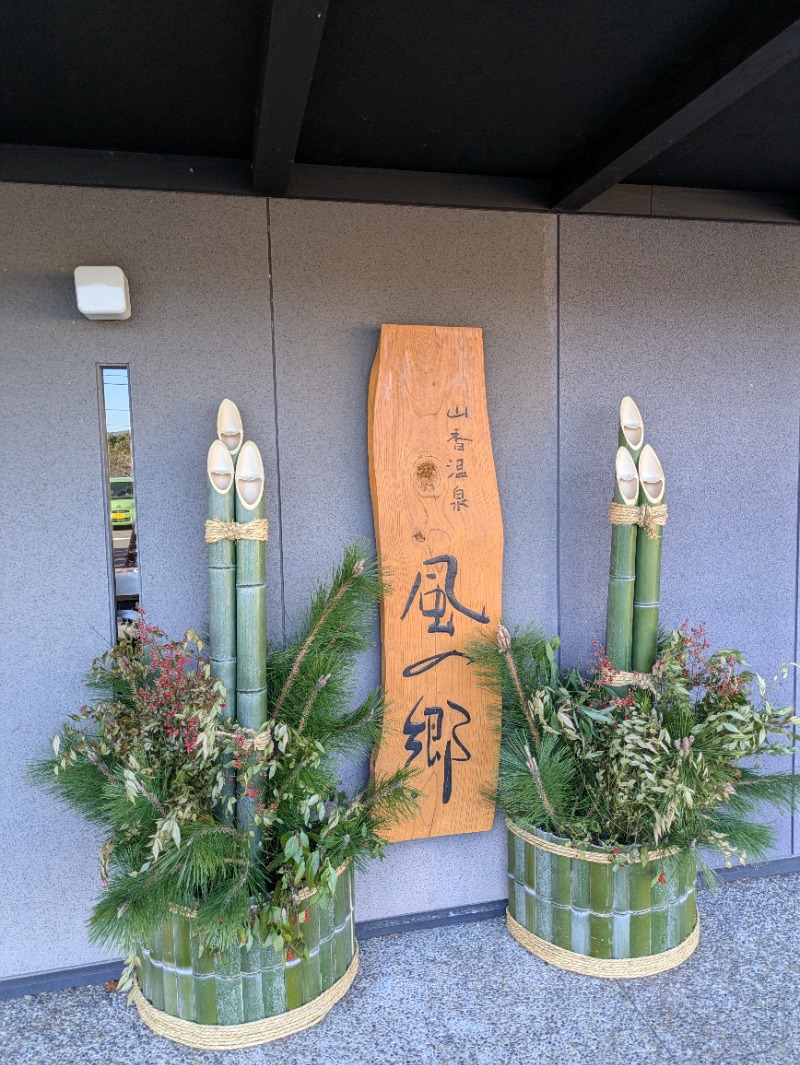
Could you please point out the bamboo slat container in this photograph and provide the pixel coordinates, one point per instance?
(247, 985)
(590, 916)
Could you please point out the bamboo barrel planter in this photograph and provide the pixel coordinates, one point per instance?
(247, 997)
(576, 910)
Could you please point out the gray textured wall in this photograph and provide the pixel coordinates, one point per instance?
(697, 320)
(198, 274)
(700, 322)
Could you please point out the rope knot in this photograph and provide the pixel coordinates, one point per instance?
(651, 519)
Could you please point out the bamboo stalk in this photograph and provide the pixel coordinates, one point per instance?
(222, 582)
(204, 991)
(641, 877)
(621, 912)
(527, 901)
(631, 428)
(157, 972)
(512, 881)
(647, 587)
(622, 572)
(252, 992)
(562, 901)
(228, 976)
(272, 982)
(229, 427)
(327, 943)
(293, 978)
(183, 964)
(251, 616)
(601, 902)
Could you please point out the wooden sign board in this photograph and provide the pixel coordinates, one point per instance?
(440, 537)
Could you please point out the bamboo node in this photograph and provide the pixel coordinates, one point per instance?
(651, 519)
(217, 529)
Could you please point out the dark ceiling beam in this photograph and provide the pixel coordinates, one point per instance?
(293, 33)
(33, 163)
(417, 188)
(743, 55)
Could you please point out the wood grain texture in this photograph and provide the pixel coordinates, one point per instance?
(439, 532)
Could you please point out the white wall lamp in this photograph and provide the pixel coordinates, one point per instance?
(102, 293)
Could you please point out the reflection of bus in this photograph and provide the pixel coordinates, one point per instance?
(123, 511)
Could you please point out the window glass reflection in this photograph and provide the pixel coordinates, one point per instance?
(122, 516)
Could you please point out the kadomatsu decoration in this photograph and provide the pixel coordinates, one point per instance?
(613, 783)
(229, 846)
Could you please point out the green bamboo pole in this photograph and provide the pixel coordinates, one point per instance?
(273, 985)
(222, 582)
(157, 972)
(641, 878)
(251, 615)
(229, 427)
(512, 880)
(647, 586)
(622, 572)
(601, 903)
(228, 978)
(631, 428)
(183, 965)
(327, 943)
(204, 990)
(252, 993)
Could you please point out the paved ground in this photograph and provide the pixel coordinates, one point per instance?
(470, 994)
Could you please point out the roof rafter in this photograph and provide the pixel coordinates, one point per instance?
(738, 60)
(293, 33)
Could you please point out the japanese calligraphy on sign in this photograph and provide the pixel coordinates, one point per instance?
(440, 535)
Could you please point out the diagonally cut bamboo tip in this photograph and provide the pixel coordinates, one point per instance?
(229, 426)
(220, 468)
(250, 475)
(627, 477)
(631, 424)
(651, 475)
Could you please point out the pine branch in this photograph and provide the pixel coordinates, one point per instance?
(504, 644)
(356, 572)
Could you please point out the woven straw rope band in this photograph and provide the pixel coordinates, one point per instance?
(251, 1033)
(576, 852)
(649, 518)
(217, 529)
(619, 678)
(610, 968)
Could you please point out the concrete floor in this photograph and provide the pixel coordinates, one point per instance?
(470, 994)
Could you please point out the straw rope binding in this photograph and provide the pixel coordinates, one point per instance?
(610, 968)
(577, 852)
(617, 678)
(250, 1034)
(217, 529)
(649, 518)
(257, 741)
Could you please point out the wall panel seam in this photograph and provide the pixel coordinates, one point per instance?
(276, 416)
(558, 433)
(793, 836)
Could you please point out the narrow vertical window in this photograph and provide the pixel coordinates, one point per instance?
(121, 496)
